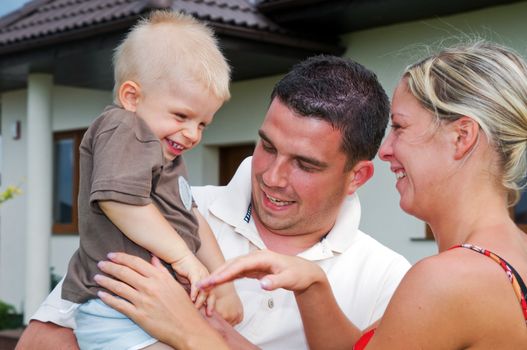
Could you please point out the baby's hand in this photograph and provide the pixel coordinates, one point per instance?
(192, 269)
(228, 304)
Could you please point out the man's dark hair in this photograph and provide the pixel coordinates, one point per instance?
(343, 93)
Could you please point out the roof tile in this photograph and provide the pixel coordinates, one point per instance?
(44, 18)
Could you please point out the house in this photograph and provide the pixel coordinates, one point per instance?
(56, 76)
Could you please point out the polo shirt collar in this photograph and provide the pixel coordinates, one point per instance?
(233, 209)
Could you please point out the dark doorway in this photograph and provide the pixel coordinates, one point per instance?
(230, 159)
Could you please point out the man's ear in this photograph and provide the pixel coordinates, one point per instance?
(359, 175)
(466, 131)
(129, 95)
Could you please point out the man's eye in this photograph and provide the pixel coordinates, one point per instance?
(267, 147)
(395, 126)
(307, 167)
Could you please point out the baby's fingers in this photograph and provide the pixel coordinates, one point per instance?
(200, 299)
(211, 304)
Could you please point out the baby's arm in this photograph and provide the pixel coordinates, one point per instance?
(146, 226)
(228, 304)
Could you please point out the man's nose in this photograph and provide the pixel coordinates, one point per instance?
(276, 174)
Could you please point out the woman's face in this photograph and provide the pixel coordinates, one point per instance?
(417, 152)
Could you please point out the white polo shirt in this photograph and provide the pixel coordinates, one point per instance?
(362, 272)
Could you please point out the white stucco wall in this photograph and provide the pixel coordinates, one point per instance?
(71, 109)
(12, 218)
(385, 50)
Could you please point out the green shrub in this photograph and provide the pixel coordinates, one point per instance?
(9, 318)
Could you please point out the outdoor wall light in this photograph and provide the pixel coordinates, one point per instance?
(15, 130)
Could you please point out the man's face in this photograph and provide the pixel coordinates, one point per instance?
(298, 175)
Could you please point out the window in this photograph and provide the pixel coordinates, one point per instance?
(66, 180)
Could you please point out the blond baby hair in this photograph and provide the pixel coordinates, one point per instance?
(171, 47)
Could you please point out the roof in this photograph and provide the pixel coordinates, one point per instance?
(74, 39)
(42, 20)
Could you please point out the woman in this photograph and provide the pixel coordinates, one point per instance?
(458, 149)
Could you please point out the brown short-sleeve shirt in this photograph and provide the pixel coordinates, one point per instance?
(122, 160)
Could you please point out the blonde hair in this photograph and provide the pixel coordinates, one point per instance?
(488, 83)
(170, 45)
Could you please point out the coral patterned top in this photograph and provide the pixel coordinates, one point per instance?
(514, 277)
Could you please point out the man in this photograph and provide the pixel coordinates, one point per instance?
(297, 196)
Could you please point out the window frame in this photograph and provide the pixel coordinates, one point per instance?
(71, 227)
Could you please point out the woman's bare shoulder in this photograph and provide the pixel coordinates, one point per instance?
(453, 299)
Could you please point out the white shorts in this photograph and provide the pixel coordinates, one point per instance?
(99, 327)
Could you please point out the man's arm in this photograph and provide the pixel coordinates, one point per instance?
(47, 336)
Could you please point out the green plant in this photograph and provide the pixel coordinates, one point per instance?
(9, 193)
(9, 318)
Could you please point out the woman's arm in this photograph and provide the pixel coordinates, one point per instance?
(155, 301)
(325, 325)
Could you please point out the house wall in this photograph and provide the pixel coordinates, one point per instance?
(71, 109)
(385, 50)
(12, 218)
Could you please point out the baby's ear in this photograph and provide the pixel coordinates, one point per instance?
(129, 94)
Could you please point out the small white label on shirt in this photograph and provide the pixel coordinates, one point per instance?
(184, 193)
